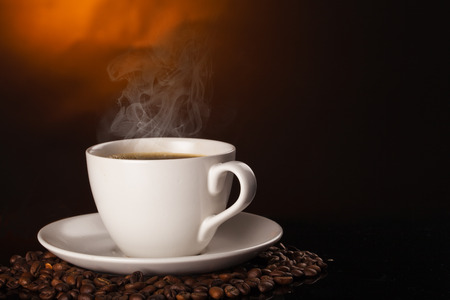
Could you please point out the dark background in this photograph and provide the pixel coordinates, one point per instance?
(338, 107)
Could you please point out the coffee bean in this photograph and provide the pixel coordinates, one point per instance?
(254, 272)
(60, 266)
(297, 272)
(160, 284)
(138, 285)
(32, 255)
(216, 292)
(226, 277)
(315, 267)
(25, 278)
(25, 294)
(136, 296)
(152, 280)
(36, 268)
(243, 288)
(201, 289)
(265, 286)
(14, 258)
(283, 280)
(310, 272)
(64, 296)
(171, 279)
(87, 288)
(62, 287)
(108, 288)
(74, 293)
(88, 275)
(85, 296)
(47, 293)
(231, 291)
(100, 281)
(189, 281)
(239, 274)
(199, 296)
(183, 296)
(149, 289)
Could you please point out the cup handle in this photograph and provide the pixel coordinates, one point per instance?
(216, 180)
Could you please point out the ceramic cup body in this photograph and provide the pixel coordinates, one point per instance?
(168, 207)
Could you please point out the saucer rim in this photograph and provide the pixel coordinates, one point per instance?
(150, 260)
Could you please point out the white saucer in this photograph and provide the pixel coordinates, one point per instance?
(84, 241)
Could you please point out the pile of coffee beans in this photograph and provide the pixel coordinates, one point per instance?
(42, 275)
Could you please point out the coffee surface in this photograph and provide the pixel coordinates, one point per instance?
(153, 155)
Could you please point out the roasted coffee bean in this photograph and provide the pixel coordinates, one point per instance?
(149, 289)
(189, 281)
(47, 293)
(14, 258)
(25, 278)
(74, 293)
(100, 281)
(239, 274)
(169, 293)
(85, 296)
(87, 288)
(63, 296)
(243, 288)
(136, 296)
(36, 267)
(13, 284)
(226, 277)
(25, 294)
(265, 286)
(297, 272)
(201, 289)
(254, 272)
(108, 288)
(179, 287)
(277, 273)
(171, 279)
(265, 271)
(62, 287)
(284, 268)
(160, 284)
(216, 292)
(199, 296)
(129, 291)
(315, 267)
(231, 291)
(183, 296)
(283, 280)
(32, 255)
(138, 285)
(310, 272)
(152, 280)
(60, 266)
(252, 282)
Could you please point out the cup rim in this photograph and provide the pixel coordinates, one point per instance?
(90, 151)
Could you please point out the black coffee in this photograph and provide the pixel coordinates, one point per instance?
(153, 155)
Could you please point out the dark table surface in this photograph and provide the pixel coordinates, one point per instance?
(389, 259)
(377, 260)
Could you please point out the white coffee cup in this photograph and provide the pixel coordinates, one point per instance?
(167, 207)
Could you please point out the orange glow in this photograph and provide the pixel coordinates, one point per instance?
(73, 41)
(54, 26)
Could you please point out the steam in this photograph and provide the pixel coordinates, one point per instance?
(166, 93)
